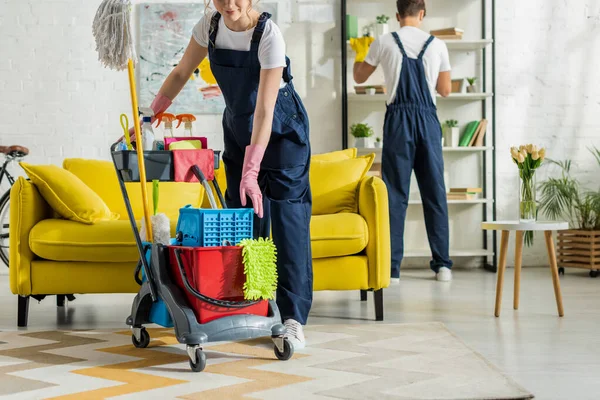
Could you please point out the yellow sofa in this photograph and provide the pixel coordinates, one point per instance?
(50, 255)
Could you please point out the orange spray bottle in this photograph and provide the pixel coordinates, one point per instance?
(187, 120)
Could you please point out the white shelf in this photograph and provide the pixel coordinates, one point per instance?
(466, 45)
(461, 45)
(453, 253)
(474, 201)
(466, 96)
(461, 149)
(381, 98)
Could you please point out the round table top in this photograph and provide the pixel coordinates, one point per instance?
(525, 226)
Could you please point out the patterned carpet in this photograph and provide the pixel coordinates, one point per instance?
(371, 361)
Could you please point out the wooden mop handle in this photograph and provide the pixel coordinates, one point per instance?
(140, 150)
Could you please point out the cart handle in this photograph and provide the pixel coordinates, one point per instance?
(206, 299)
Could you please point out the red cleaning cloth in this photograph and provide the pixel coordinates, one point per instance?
(184, 160)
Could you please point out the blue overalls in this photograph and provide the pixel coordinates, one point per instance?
(413, 139)
(284, 174)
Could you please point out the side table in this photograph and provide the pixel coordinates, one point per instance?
(521, 228)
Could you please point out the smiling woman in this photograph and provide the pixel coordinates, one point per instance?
(264, 123)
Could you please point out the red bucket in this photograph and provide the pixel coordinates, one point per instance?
(217, 273)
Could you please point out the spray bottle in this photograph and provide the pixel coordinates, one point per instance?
(147, 131)
(168, 123)
(187, 119)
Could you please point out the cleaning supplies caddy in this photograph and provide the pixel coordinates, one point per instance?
(220, 289)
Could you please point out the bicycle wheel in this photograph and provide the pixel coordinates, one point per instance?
(4, 220)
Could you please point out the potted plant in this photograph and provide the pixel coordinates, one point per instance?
(378, 142)
(382, 25)
(564, 198)
(361, 133)
(472, 88)
(452, 133)
(371, 90)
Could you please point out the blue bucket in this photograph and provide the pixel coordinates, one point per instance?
(159, 314)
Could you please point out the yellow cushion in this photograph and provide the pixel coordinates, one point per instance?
(334, 184)
(105, 241)
(68, 195)
(100, 175)
(336, 155)
(337, 235)
(342, 273)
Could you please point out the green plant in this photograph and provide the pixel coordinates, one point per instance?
(564, 198)
(378, 139)
(382, 19)
(259, 257)
(471, 81)
(361, 130)
(451, 123)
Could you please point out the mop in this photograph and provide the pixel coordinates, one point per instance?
(114, 43)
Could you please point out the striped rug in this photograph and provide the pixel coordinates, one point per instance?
(370, 361)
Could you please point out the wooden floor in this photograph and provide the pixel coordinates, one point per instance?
(555, 358)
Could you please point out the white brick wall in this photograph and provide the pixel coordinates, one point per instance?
(548, 92)
(60, 102)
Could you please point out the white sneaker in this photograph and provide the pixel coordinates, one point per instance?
(294, 334)
(395, 281)
(444, 274)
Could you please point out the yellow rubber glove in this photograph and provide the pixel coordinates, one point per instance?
(361, 47)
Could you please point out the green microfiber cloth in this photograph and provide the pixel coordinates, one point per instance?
(259, 257)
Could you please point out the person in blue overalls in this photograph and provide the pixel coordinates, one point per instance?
(416, 66)
(266, 140)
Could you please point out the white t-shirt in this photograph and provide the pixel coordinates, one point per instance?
(271, 49)
(385, 51)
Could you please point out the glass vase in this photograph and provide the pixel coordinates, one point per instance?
(527, 198)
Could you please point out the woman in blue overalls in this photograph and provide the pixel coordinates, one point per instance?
(267, 150)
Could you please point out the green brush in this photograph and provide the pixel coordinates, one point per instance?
(259, 257)
(155, 195)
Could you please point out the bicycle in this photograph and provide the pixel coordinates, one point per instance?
(11, 153)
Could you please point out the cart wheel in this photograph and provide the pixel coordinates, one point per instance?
(144, 339)
(288, 351)
(561, 271)
(200, 363)
(594, 273)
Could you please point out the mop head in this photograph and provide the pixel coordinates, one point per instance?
(161, 229)
(259, 257)
(113, 34)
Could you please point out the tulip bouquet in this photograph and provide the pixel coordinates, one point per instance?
(528, 158)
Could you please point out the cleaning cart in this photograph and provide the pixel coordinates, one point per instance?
(197, 279)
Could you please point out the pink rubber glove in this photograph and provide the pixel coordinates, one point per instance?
(249, 183)
(159, 105)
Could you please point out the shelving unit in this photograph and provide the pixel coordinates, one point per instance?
(477, 49)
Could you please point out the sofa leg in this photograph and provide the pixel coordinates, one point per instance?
(23, 311)
(378, 294)
(60, 300)
(363, 295)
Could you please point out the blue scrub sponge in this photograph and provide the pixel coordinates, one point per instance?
(259, 257)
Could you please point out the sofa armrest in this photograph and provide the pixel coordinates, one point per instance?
(27, 208)
(373, 207)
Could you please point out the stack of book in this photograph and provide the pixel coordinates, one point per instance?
(474, 134)
(463, 193)
(448, 33)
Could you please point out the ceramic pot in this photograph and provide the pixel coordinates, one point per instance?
(360, 143)
(472, 89)
(371, 91)
(382, 29)
(452, 137)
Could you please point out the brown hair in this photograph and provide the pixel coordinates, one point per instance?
(410, 8)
